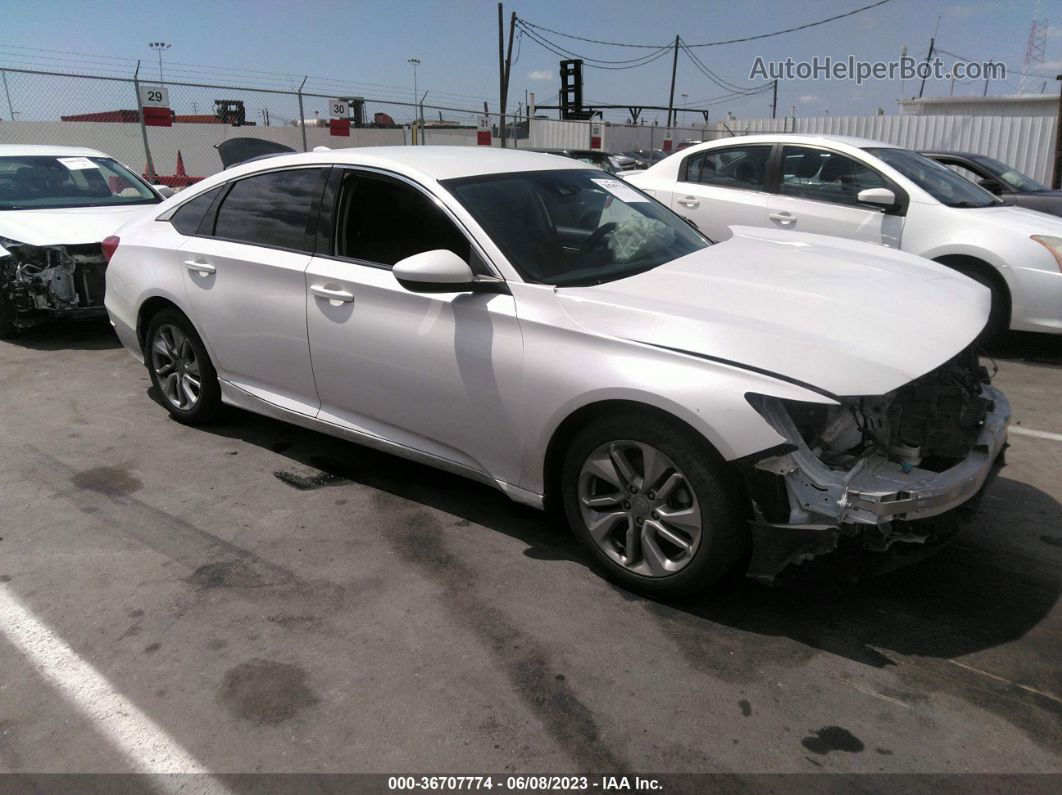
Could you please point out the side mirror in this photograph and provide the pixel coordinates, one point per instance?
(165, 191)
(991, 185)
(436, 271)
(882, 197)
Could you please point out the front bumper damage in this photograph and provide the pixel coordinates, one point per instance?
(876, 505)
(41, 283)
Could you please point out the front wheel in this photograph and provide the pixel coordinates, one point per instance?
(657, 510)
(181, 370)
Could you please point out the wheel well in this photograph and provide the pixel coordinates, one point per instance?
(148, 310)
(967, 264)
(574, 422)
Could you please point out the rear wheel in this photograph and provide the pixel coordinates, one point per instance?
(659, 513)
(180, 369)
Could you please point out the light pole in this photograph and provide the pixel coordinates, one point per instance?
(414, 62)
(159, 46)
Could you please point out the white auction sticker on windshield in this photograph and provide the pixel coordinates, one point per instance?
(620, 190)
(77, 163)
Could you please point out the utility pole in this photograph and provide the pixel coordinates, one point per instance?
(414, 62)
(505, 58)
(929, 55)
(1056, 177)
(671, 96)
(774, 99)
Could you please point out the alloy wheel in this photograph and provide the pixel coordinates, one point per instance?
(639, 508)
(176, 367)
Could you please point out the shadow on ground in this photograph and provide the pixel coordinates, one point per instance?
(964, 599)
(1026, 346)
(75, 335)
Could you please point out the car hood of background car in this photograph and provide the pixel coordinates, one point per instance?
(846, 318)
(66, 226)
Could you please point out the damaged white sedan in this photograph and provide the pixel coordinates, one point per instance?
(57, 204)
(549, 330)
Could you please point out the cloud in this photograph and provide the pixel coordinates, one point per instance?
(810, 99)
(540, 74)
(1054, 65)
(1054, 32)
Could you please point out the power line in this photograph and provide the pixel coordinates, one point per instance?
(756, 37)
(556, 49)
(719, 81)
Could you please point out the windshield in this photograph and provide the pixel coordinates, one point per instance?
(575, 227)
(1014, 179)
(39, 182)
(938, 181)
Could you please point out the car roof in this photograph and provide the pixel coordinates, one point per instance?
(805, 138)
(30, 150)
(435, 162)
(949, 153)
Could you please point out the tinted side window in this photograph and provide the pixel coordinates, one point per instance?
(742, 167)
(270, 209)
(188, 217)
(382, 220)
(825, 176)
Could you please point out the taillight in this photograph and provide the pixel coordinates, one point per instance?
(110, 245)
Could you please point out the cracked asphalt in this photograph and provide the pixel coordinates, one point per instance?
(273, 600)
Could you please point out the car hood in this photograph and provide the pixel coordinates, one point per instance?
(68, 226)
(847, 318)
(1010, 219)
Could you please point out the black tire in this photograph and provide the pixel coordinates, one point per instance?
(999, 315)
(8, 328)
(724, 533)
(208, 405)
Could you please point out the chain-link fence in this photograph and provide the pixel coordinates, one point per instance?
(168, 131)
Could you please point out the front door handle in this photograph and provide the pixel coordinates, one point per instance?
(332, 293)
(782, 218)
(199, 267)
(689, 201)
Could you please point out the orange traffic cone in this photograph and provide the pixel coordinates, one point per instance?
(180, 165)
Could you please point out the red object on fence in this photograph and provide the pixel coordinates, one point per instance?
(339, 127)
(483, 137)
(667, 145)
(158, 117)
(180, 165)
(595, 141)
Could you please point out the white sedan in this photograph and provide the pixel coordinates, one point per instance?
(878, 193)
(57, 204)
(540, 326)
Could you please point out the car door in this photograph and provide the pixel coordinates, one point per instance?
(720, 188)
(437, 372)
(245, 285)
(818, 192)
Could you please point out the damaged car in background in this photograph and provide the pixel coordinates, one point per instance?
(57, 204)
(541, 326)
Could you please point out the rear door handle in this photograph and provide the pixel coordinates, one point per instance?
(332, 293)
(689, 201)
(199, 267)
(782, 218)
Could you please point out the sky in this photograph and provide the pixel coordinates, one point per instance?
(369, 43)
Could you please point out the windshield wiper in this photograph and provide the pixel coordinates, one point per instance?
(965, 204)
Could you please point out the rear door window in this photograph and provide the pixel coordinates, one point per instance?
(743, 167)
(272, 209)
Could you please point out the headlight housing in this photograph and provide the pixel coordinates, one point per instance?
(1052, 244)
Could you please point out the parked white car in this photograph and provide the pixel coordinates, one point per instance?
(57, 204)
(539, 325)
(878, 193)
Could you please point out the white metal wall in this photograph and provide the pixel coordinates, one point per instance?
(1025, 142)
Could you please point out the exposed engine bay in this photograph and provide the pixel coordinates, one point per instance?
(38, 283)
(874, 469)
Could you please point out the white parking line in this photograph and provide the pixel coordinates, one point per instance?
(141, 741)
(1017, 430)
